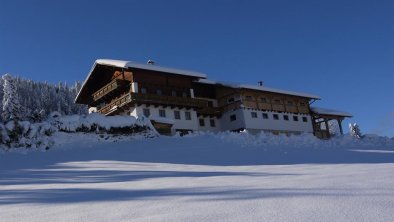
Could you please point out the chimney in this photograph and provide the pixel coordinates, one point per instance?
(150, 62)
(260, 83)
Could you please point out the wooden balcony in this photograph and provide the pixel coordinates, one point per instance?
(291, 109)
(210, 111)
(125, 101)
(116, 105)
(278, 107)
(112, 88)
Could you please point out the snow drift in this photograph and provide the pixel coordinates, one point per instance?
(43, 135)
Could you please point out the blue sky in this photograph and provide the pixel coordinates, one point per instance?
(340, 50)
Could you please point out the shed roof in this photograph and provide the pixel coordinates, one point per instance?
(330, 112)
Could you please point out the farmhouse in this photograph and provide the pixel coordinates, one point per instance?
(177, 100)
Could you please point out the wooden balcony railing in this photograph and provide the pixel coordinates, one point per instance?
(138, 98)
(113, 86)
(116, 104)
(210, 111)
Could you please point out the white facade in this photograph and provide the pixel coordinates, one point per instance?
(179, 124)
(211, 124)
(285, 122)
(243, 118)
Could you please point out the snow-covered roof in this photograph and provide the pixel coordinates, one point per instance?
(131, 64)
(261, 88)
(324, 111)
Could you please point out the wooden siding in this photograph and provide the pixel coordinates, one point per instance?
(276, 102)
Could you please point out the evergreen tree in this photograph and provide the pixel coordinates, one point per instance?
(333, 128)
(355, 131)
(11, 105)
(37, 100)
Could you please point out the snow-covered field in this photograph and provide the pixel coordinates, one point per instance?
(225, 177)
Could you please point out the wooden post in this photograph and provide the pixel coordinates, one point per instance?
(340, 125)
(327, 129)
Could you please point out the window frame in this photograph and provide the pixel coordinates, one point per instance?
(201, 122)
(146, 111)
(212, 122)
(177, 114)
(162, 113)
(188, 115)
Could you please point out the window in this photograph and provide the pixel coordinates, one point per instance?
(159, 92)
(184, 94)
(254, 114)
(265, 116)
(290, 103)
(188, 116)
(177, 114)
(286, 117)
(143, 90)
(173, 93)
(146, 112)
(277, 101)
(295, 118)
(304, 119)
(248, 98)
(212, 123)
(210, 104)
(230, 100)
(263, 100)
(202, 122)
(233, 118)
(162, 113)
(302, 104)
(276, 116)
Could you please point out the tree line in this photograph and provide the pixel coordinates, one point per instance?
(25, 99)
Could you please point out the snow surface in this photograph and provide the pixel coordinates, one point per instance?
(260, 88)
(200, 177)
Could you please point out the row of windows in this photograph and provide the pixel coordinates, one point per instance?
(276, 117)
(160, 92)
(162, 113)
(212, 122)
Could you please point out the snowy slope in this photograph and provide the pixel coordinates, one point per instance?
(224, 177)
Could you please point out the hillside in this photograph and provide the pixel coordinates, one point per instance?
(201, 177)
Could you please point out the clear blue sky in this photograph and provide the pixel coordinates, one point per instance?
(340, 50)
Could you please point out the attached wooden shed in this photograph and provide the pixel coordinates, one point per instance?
(321, 117)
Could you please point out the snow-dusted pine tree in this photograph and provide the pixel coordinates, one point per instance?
(11, 105)
(38, 99)
(355, 131)
(333, 128)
